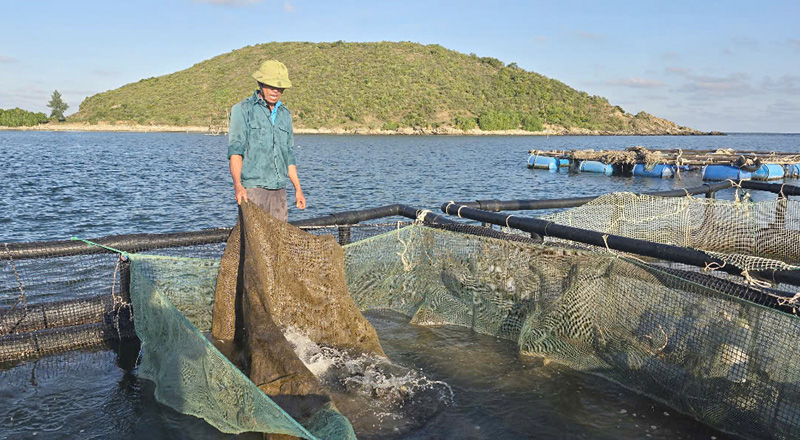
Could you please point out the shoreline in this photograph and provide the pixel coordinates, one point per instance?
(405, 131)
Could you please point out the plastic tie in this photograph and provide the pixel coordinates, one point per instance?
(109, 248)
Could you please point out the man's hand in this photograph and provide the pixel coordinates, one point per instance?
(241, 194)
(300, 199)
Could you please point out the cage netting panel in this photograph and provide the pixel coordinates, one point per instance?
(173, 300)
(683, 338)
(749, 235)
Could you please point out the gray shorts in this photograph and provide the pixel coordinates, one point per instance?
(273, 201)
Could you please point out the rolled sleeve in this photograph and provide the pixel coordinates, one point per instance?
(237, 132)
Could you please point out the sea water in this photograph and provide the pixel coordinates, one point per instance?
(453, 384)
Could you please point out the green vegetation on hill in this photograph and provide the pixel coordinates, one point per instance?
(17, 117)
(366, 85)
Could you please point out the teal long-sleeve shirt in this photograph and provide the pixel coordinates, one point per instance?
(264, 139)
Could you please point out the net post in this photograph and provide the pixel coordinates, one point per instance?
(344, 235)
(126, 349)
(125, 279)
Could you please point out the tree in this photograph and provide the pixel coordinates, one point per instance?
(58, 106)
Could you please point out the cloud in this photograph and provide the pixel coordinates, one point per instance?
(785, 85)
(540, 39)
(28, 97)
(670, 55)
(288, 6)
(733, 85)
(794, 42)
(5, 59)
(636, 83)
(783, 107)
(785, 115)
(677, 70)
(230, 2)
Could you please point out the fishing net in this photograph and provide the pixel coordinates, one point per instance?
(716, 350)
(721, 351)
(271, 276)
(749, 235)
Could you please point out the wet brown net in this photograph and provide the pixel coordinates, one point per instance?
(272, 276)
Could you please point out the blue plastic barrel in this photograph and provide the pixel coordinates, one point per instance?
(725, 172)
(537, 161)
(791, 170)
(593, 166)
(557, 163)
(769, 171)
(546, 162)
(661, 170)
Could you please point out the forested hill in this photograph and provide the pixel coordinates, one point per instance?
(371, 86)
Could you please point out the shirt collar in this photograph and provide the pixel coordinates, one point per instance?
(260, 101)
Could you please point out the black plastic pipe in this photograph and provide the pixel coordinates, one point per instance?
(354, 217)
(525, 205)
(144, 242)
(645, 248)
(776, 188)
(127, 243)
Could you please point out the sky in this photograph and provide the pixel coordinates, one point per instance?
(731, 66)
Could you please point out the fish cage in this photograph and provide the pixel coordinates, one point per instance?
(687, 300)
(723, 164)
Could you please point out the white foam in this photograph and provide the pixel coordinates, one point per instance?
(366, 374)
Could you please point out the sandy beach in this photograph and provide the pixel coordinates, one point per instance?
(549, 130)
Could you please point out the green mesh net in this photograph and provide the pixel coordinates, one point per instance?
(172, 299)
(722, 352)
(681, 337)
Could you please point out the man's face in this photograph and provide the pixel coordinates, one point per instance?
(270, 94)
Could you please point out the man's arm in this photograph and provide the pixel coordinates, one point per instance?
(300, 199)
(237, 138)
(236, 173)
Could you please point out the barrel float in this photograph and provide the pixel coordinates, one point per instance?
(659, 170)
(725, 172)
(791, 170)
(593, 166)
(769, 171)
(557, 163)
(546, 162)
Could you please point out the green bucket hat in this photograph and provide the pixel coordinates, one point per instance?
(273, 73)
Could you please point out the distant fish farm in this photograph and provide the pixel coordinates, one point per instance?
(715, 165)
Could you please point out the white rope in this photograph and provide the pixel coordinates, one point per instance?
(714, 266)
(605, 240)
(754, 281)
(421, 216)
(793, 300)
(738, 186)
(402, 255)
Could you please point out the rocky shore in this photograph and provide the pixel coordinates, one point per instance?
(549, 130)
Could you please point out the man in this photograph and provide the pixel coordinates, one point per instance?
(260, 144)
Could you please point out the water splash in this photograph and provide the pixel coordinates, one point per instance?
(365, 374)
(378, 396)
